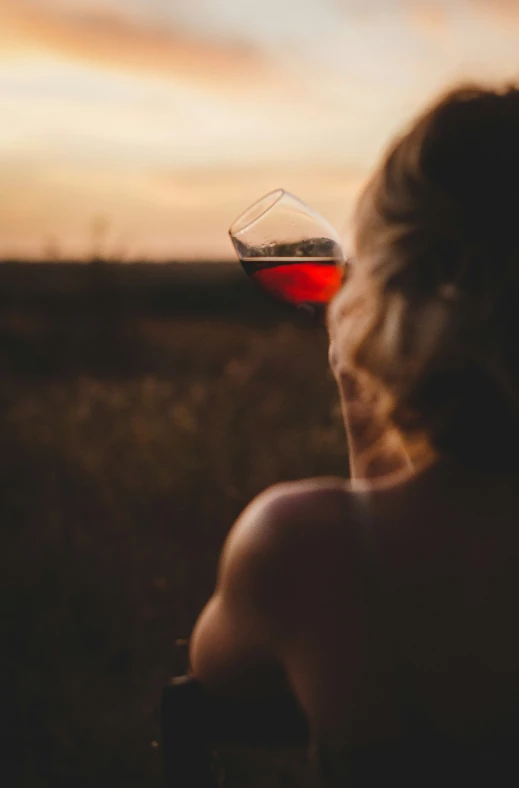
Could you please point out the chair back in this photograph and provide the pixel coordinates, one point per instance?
(195, 722)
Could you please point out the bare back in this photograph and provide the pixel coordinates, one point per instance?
(410, 597)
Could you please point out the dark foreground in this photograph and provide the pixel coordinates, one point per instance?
(133, 430)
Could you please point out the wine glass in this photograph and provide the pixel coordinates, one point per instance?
(289, 250)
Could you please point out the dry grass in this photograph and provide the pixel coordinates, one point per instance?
(118, 488)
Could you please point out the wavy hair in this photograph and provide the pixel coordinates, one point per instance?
(429, 316)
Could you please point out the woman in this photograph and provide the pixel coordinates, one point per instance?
(387, 604)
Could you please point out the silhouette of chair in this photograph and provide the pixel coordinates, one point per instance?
(195, 723)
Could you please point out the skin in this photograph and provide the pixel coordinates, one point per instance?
(291, 610)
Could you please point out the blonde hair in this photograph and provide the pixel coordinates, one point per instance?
(429, 316)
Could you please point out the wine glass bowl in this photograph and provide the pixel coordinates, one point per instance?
(289, 250)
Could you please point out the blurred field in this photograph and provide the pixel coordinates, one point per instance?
(132, 435)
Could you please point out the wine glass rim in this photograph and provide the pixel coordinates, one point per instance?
(240, 224)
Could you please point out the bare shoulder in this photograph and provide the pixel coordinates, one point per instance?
(288, 525)
(276, 512)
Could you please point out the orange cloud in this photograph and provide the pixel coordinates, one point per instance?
(502, 13)
(113, 41)
(430, 19)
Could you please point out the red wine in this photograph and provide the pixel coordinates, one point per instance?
(298, 280)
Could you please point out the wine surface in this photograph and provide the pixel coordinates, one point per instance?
(298, 280)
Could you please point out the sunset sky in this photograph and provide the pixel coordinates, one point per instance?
(140, 128)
